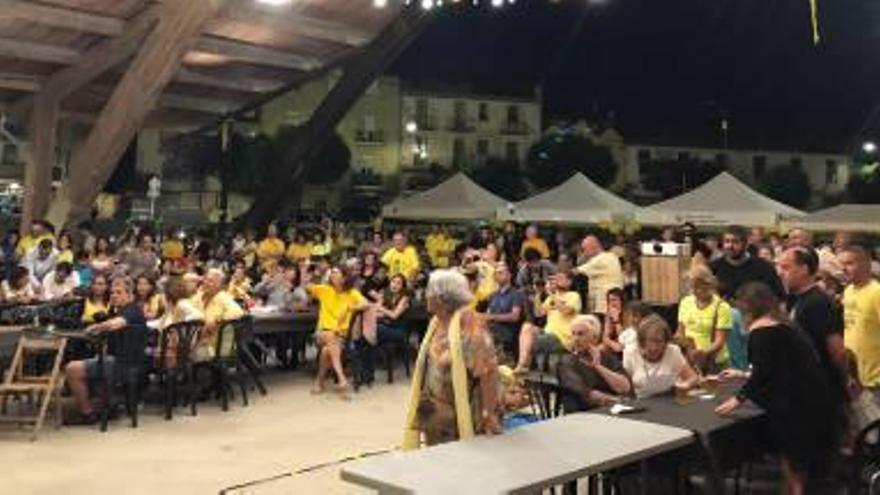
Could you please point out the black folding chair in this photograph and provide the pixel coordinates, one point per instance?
(174, 363)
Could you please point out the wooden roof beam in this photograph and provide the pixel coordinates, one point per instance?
(234, 83)
(288, 20)
(134, 97)
(38, 52)
(54, 16)
(255, 54)
(19, 82)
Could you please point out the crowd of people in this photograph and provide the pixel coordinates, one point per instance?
(796, 321)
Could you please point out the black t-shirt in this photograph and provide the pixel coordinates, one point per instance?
(732, 277)
(819, 317)
(133, 337)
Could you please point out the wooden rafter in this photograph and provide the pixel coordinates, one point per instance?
(49, 15)
(287, 20)
(39, 52)
(133, 98)
(96, 61)
(255, 54)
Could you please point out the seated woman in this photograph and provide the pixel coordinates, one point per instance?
(454, 392)
(338, 301)
(18, 289)
(96, 307)
(788, 382)
(153, 303)
(395, 302)
(588, 377)
(656, 365)
(633, 313)
(615, 300)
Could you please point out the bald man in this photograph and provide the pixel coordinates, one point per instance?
(603, 270)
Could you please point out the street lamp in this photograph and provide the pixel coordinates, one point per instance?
(411, 127)
(869, 147)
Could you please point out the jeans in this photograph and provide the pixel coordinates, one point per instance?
(385, 334)
(738, 342)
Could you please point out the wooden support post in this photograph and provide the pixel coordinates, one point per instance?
(357, 77)
(134, 97)
(40, 160)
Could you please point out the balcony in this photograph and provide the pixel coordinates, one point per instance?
(515, 128)
(425, 123)
(362, 136)
(461, 125)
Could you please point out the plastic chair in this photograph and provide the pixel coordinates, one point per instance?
(866, 459)
(174, 364)
(129, 348)
(225, 359)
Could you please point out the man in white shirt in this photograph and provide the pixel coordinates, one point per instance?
(40, 261)
(603, 270)
(60, 283)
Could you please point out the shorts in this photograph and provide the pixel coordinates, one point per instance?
(93, 368)
(547, 343)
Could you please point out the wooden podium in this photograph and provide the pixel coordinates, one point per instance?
(664, 268)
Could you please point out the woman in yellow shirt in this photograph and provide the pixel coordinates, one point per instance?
(703, 322)
(338, 301)
(145, 295)
(65, 248)
(299, 249)
(96, 303)
(322, 244)
(270, 249)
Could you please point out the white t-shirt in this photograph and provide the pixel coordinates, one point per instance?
(628, 338)
(653, 378)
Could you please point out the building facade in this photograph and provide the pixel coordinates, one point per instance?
(828, 173)
(465, 130)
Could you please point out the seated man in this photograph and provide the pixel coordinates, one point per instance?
(588, 377)
(126, 315)
(60, 283)
(561, 307)
(217, 306)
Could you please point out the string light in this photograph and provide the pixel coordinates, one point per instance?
(432, 4)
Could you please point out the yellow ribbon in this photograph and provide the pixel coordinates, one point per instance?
(464, 419)
(814, 19)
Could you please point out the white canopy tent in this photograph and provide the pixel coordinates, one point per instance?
(577, 200)
(725, 200)
(846, 217)
(458, 198)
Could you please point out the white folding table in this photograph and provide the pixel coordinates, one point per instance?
(524, 460)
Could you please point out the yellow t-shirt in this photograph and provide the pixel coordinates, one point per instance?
(336, 309)
(65, 256)
(28, 242)
(270, 249)
(486, 285)
(405, 262)
(698, 323)
(221, 307)
(558, 323)
(297, 252)
(172, 249)
(537, 244)
(861, 314)
(91, 309)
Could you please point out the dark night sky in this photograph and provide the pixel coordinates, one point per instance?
(668, 68)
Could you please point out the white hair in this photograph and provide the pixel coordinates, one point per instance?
(450, 288)
(216, 272)
(592, 324)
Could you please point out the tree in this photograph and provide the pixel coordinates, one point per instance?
(788, 184)
(671, 177)
(330, 163)
(864, 185)
(502, 178)
(559, 154)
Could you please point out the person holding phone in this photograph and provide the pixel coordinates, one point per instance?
(561, 307)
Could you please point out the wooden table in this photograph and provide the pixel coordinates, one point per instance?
(524, 460)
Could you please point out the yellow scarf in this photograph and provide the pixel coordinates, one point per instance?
(411, 433)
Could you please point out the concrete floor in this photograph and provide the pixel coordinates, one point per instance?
(287, 430)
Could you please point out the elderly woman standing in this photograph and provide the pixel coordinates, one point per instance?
(455, 384)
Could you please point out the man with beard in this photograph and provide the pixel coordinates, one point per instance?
(734, 270)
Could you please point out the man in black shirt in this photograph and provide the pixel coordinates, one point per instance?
(738, 267)
(815, 312)
(128, 316)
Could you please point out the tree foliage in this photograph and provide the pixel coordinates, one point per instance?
(502, 178)
(558, 155)
(864, 185)
(329, 164)
(671, 177)
(787, 184)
